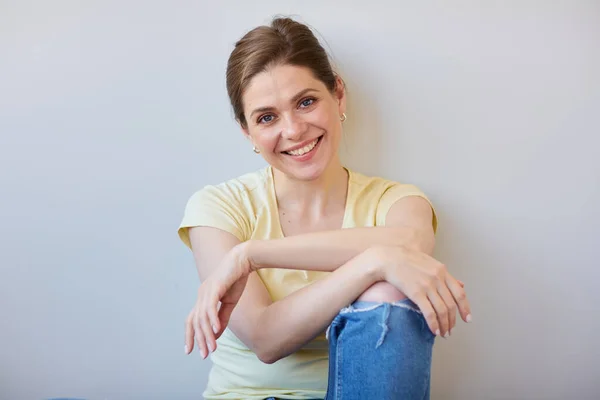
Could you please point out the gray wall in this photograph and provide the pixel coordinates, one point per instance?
(113, 113)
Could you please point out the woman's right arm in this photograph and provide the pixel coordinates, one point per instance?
(273, 330)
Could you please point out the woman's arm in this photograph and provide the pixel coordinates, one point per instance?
(323, 250)
(272, 330)
(408, 224)
(288, 324)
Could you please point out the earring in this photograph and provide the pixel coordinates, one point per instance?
(254, 149)
(343, 117)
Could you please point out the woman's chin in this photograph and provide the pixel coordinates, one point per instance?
(306, 172)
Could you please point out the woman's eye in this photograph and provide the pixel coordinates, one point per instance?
(307, 102)
(265, 119)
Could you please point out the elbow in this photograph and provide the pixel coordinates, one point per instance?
(269, 351)
(422, 240)
(265, 349)
(267, 344)
(268, 356)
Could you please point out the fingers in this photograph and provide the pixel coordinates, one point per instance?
(200, 339)
(460, 297)
(209, 335)
(450, 305)
(189, 334)
(202, 326)
(213, 317)
(428, 313)
(438, 294)
(441, 312)
(211, 323)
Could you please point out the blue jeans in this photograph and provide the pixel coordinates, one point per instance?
(379, 351)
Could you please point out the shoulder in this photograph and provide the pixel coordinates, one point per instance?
(373, 186)
(378, 195)
(230, 205)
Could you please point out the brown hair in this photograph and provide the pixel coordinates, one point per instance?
(284, 42)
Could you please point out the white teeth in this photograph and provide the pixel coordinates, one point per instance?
(303, 150)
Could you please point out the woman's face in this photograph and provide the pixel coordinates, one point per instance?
(294, 120)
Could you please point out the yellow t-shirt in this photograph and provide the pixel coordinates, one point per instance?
(247, 208)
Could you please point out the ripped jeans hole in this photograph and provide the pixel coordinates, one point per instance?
(384, 325)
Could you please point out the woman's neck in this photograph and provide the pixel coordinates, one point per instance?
(313, 198)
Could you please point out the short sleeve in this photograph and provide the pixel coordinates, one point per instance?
(396, 192)
(217, 207)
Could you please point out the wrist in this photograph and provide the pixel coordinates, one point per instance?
(376, 265)
(246, 251)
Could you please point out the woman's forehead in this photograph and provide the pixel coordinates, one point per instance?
(280, 83)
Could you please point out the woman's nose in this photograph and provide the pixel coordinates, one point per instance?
(293, 127)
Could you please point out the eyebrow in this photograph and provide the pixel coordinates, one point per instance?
(296, 97)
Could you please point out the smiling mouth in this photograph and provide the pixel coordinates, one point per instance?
(306, 149)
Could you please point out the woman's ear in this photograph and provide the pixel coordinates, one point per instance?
(340, 94)
(246, 134)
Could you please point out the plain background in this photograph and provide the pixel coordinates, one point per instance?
(112, 113)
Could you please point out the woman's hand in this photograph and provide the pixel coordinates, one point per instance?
(428, 284)
(207, 321)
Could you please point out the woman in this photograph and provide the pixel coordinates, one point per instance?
(317, 280)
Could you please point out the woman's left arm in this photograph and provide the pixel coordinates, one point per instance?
(408, 223)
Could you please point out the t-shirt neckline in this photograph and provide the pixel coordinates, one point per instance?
(273, 198)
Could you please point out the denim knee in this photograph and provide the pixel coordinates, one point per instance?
(379, 350)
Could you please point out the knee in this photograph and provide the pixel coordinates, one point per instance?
(382, 292)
